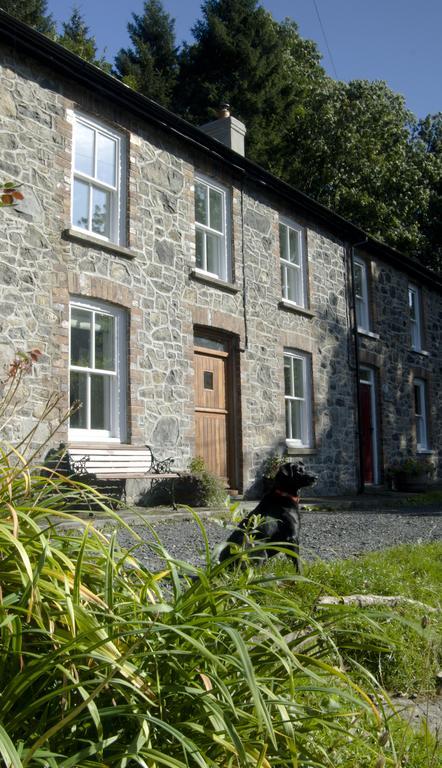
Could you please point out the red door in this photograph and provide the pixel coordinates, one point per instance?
(367, 432)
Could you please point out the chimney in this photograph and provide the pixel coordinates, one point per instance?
(227, 129)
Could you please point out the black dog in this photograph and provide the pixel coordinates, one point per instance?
(279, 520)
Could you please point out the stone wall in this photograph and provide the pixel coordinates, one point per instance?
(40, 268)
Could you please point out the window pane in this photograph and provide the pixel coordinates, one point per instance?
(288, 377)
(104, 342)
(296, 419)
(298, 379)
(358, 280)
(106, 154)
(294, 249)
(294, 287)
(412, 304)
(287, 418)
(216, 210)
(360, 313)
(80, 211)
(213, 245)
(201, 204)
(283, 249)
(100, 212)
(84, 149)
(100, 402)
(200, 246)
(81, 337)
(204, 341)
(420, 432)
(418, 401)
(78, 392)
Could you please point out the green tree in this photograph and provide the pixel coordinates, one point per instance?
(243, 57)
(77, 39)
(429, 132)
(150, 65)
(32, 12)
(353, 149)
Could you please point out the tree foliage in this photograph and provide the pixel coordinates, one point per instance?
(150, 65)
(77, 39)
(353, 150)
(32, 12)
(429, 132)
(243, 57)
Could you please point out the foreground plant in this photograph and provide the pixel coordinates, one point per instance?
(105, 663)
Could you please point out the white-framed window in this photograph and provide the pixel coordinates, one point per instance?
(97, 371)
(211, 206)
(292, 258)
(414, 304)
(298, 403)
(361, 294)
(420, 414)
(98, 186)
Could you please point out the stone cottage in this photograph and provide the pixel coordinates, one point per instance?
(193, 301)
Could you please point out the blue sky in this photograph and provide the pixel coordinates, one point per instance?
(394, 40)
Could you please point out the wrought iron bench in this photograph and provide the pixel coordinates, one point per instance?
(111, 467)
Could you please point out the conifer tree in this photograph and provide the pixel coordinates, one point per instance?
(150, 65)
(32, 12)
(243, 57)
(77, 39)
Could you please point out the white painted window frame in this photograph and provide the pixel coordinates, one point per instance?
(416, 322)
(421, 419)
(363, 318)
(306, 439)
(286, 265)
(225, 271)
(117, 228)
(118, 417)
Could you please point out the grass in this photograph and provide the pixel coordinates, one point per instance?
(402, 647)
(422, 499)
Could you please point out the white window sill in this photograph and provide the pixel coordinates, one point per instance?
(84, 238)
(93, 438)
(212, 279)
(424, 452)
(296, 449)
(369, 334)
(422, 352)
(296, 308)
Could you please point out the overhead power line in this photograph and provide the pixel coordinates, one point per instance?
(325, 38)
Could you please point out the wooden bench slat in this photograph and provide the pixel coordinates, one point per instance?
(136, 476)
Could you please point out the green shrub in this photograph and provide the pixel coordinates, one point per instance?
(197, 488)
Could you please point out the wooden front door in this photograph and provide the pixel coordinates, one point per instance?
(212, 418)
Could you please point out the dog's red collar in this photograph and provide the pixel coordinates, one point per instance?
(295, 499)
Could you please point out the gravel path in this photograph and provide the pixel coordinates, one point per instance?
(325, 535)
